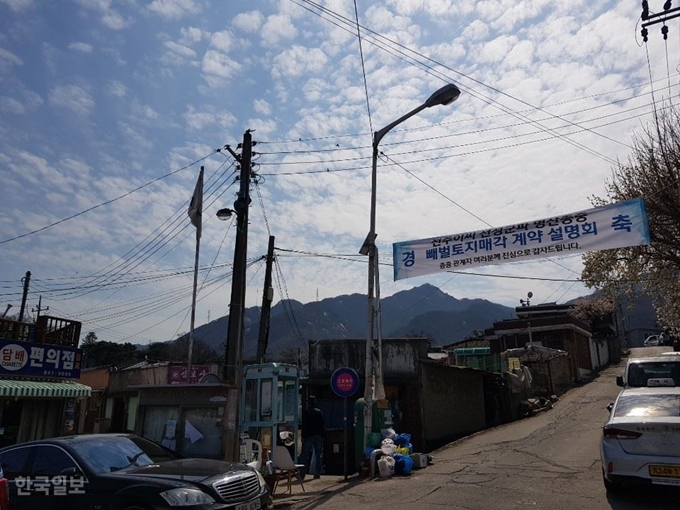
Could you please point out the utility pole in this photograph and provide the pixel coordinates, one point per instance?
(39, 309)
(233, 356)
(648, 19)
(26, 280)
(267, 297)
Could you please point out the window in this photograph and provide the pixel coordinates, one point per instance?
(51, 461)
(14, 462)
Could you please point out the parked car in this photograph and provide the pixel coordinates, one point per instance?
(652, 341)
(639, 370)
(4, 491)
(641, 440)
(124, 472)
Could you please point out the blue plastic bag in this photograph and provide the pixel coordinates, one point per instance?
(403, 465)
(402, 439)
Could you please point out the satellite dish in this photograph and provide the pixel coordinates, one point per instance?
(530, 295)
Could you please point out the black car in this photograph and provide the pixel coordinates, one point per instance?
(124, 472)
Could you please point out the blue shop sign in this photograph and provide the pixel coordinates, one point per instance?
(39, 360)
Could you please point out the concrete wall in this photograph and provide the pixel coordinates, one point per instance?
(452, 403)
(599, 354)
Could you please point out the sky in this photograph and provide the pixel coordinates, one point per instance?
(108, 109)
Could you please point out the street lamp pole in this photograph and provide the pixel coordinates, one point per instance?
(374, 387)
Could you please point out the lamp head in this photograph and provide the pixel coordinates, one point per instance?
(445, 95)
(224, 214)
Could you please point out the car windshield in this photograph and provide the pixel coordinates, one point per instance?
(640, 373)
(108, 454)
(648, 406)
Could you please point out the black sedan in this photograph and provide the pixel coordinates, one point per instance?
(124, 472)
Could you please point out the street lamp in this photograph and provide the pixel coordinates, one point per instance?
(374, 374)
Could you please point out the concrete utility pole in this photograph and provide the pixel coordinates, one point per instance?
(267, 297)
(233, 356)
(26, 280)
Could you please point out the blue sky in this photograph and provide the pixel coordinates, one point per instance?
(99, 98)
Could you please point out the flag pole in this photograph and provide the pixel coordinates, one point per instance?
(195, 213)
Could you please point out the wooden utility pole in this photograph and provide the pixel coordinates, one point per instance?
(233, 356)
(26, 280)
(267, 297)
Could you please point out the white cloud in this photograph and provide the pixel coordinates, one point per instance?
(262, 106)
(190, 35)
(9, 58)
(276, 29)
(109, 17)
(116, 88)
(177, 54)
(218, 65)
(201, 120)
(80, 46)
(73, 98)
(298, 61)
(17, 5)
(248, 21)
(174, 9)
(11, 105)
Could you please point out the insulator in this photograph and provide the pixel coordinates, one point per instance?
(664, 31)
(667, 5)
(645, 10)
(644, 34)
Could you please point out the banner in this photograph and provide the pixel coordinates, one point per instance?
(611, 226)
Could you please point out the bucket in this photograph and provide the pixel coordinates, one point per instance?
(386, 466)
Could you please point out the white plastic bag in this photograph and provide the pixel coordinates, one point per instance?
(386, 466)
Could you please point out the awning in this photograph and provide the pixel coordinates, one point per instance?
(66, 389)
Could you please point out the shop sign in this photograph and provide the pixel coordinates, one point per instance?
(39, 360)
(177, 374)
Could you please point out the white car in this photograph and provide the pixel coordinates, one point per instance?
(641, 439)
(652, 341)
(639, 370)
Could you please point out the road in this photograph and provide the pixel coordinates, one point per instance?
(549, 461)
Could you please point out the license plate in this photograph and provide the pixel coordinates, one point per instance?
(665, 471)
(251, 505)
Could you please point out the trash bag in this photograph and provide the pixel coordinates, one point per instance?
(402, 439)
(374, 439)
(403, 450)
(388, 447)
(403, 465)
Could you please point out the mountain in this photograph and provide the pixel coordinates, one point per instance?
(421, 311)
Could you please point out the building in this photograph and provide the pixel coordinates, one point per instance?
(39, 367)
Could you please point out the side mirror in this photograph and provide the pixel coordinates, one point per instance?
(71, 471)
(610, 406)
(619, 380)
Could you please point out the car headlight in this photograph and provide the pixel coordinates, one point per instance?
(260, 478)
(186, 497)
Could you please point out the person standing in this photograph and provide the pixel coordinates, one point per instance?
(313, 433)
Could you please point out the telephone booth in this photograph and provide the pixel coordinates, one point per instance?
(270, 404)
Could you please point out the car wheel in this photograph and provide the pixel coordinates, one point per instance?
(610, 486)
(135, 506)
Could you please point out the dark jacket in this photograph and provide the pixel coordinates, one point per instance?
(312, 423)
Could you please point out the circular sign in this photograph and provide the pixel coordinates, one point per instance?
(345, 382)
(14, 357)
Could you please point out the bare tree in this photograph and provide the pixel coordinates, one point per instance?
(653, 173)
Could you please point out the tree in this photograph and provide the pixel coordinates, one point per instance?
(89, 339)
(653, 173)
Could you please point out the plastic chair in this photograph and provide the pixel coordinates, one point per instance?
(251, 453)
(286, 469)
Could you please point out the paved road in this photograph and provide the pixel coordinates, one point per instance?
(550, 461)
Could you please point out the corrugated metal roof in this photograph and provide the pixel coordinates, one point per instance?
(20, 388)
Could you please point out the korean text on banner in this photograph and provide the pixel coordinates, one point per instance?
(612, 226)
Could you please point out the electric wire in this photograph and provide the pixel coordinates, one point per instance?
(430, 70)
(106, 202)
(363, 67)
